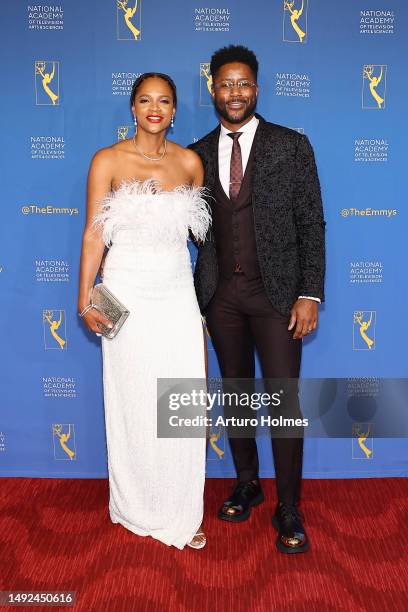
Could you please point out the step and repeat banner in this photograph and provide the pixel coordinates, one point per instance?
(335, 71)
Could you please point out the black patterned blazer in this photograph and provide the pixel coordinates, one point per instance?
(288, 217)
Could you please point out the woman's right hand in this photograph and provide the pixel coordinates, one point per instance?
(93, 319)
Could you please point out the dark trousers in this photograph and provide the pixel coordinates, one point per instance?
(240, 318)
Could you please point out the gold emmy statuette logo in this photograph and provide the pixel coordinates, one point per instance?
(207, 333)
(364, 330)
(123, 131)
(362, 441)
(374, 86)
(54, 329)
(295, 21)
(46, 83)
(214, 437)
(64, 441)
(126, 18)
(205, 85)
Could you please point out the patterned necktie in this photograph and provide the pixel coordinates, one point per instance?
(236, 166)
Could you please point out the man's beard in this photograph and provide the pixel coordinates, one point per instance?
(224, 113)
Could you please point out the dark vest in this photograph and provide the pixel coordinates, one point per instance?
(233, 226)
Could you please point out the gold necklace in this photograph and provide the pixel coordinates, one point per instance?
(147, 156)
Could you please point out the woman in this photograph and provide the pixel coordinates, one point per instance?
(144, 196)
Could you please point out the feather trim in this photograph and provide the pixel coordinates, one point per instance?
(153, 214)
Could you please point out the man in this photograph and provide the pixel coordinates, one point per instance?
(259, 274)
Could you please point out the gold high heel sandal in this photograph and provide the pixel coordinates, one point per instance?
(200, 542)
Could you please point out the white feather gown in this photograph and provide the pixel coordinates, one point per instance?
(155, 484)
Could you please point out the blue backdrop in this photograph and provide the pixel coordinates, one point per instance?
(334, 71)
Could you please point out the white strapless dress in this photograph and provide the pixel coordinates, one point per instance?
(155, 484)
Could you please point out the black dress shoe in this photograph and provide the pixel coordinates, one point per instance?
(291, 533)
(238, 506)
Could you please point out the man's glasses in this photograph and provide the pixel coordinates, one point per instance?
(228, 85)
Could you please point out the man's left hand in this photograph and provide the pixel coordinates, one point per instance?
(304, 315)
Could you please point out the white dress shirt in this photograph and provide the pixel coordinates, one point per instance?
(224, 157)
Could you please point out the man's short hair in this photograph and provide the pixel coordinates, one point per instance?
(234, 53)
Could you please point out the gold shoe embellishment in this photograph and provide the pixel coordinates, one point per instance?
(293, 541)
(232, 510)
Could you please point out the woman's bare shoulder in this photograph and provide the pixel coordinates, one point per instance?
(189, 159)
(109, 156)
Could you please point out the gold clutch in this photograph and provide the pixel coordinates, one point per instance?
(103, 300)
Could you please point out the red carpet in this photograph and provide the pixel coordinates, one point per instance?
(56, 535)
